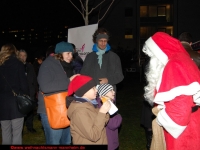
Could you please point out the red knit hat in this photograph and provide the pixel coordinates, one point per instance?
(80, 85)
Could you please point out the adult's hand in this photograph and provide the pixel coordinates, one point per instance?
(72, 77)
(103, 80)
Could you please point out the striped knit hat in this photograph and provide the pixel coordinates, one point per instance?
(103, 89)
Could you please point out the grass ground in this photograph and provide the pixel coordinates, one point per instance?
(129, 102)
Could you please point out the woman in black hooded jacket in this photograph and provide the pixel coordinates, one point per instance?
(13, 71)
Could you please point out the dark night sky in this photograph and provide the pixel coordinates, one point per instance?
(27, 14)
(35, 13)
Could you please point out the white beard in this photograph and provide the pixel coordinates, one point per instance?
(153, 73)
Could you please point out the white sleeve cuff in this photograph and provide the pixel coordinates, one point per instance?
(174, 129)
(196, 98)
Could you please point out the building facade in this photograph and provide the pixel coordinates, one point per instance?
(130, 23)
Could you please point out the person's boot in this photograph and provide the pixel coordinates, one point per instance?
(148, 138)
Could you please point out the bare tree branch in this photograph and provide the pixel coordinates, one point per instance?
(99, 12)
(106, 11)
(95, 7)
(77, 9)
(85, 12)
(82, 5)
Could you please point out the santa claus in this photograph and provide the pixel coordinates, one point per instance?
(173, 86)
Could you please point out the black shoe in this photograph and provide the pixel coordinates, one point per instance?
(31, 130)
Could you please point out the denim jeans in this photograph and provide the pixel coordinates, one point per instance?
(55, 136)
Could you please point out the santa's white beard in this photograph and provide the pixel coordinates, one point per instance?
(153, 73)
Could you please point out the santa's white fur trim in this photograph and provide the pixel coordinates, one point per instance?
(156, 51)
(173, 128)
(196, 98)
(190, 89)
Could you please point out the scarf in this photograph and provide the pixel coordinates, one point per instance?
(94, 101)
(100, 52)
(67, 68)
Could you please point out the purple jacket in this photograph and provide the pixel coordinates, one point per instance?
(112, 129)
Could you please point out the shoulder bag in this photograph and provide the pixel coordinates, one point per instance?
(24, 102)
(56, 110)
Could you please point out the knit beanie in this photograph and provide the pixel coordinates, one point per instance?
(80, 85)
(63, 47)
(103, 89)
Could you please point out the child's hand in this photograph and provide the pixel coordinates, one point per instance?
(105, 107)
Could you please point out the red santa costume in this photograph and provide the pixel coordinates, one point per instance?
(177, 94)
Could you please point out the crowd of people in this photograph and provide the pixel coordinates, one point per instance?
(170, 114)
(63, 70)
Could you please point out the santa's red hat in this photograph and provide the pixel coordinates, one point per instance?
(80, 85)
(164, 47)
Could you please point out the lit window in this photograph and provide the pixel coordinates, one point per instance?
(66, 27)
(15, 35)
(3, 32)
(169, 30)
(152, 11)
(146, 32)
(143, 11)
(161, 11)
(32, 29)
(143, 32)
(128, 34)
(22, 39)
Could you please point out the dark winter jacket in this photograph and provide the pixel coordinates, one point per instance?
(112, 129)
(51, 79)
(110, 69)
(77, 63)
(14, 72)
(32, 79)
